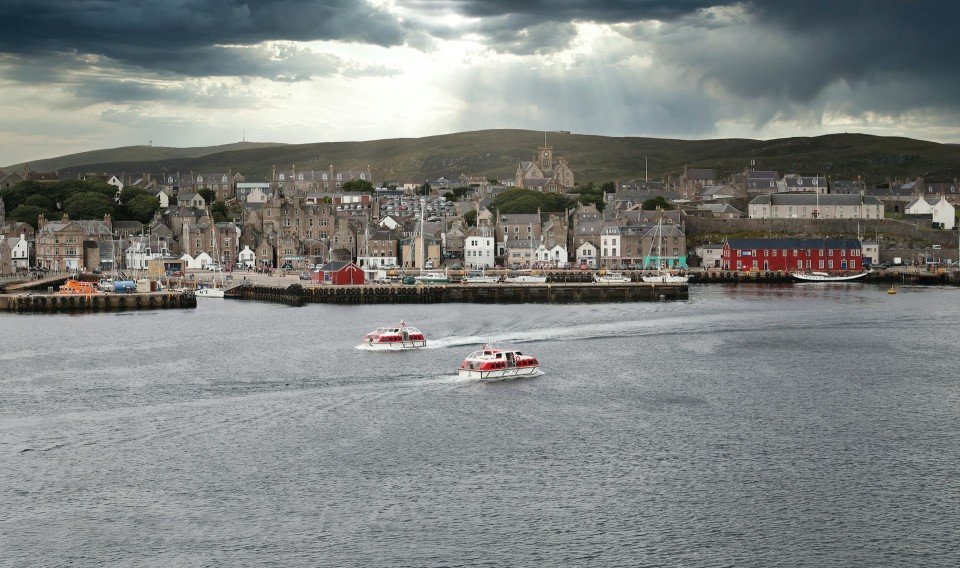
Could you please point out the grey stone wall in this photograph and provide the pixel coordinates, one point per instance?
(700, 229)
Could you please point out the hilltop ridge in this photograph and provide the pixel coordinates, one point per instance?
(496, 153)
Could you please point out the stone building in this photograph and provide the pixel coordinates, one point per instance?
(545, 173)
(298, 183)
(68, 245)
(815, 206)
(221, 183)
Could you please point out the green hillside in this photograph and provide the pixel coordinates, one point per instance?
(132, 154)
(495, 153)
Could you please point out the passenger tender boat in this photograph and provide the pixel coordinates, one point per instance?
(824, 277)
(394, 338)
(489, 364)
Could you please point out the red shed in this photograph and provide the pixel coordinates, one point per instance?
(340, 273)
(827, 255)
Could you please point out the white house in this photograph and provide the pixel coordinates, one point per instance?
(937, 207)
(610, 245)
(479, 248)
(871, 252)
(559, 256)
(202, 260)
(587, 252)
(115, 182)
(164, 198)
(19, 252)
(247, 257)
(138, 256)
(711, 254)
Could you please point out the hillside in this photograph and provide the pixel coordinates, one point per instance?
(132, 154)
(593, 158)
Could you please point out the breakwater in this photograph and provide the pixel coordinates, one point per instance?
(546, 293)
(76, 303)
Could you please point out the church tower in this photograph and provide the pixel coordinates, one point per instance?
(545, 159)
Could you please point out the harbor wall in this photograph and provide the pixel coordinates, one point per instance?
(548, 293)
(76, 303)
(869, 228)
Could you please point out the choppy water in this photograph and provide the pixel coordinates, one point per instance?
(802, 426)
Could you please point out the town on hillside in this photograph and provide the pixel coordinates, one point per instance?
(299, 220)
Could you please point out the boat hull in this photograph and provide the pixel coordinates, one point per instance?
(209, 293)
(393, 346)
(818, 278)
(498, 374)
(666, 279)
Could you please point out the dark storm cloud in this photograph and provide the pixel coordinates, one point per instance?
(795, 52)
(785, 55)
(181, 35)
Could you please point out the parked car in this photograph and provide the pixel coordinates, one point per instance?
(305, 276)
(287, 266)
(409, 280)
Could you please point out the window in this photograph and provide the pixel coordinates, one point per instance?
(821, 263)
(829, 263)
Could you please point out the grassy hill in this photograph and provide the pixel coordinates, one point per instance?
(593, 158)
(132, 154)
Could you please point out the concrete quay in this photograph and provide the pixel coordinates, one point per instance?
(76, 303)
(501, 293)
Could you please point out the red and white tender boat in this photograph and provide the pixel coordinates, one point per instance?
(394, 338)
(495, 364)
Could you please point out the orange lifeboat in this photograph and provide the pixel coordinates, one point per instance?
(78, 288)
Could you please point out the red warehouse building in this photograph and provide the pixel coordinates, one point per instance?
(825, 255)
(340, 273)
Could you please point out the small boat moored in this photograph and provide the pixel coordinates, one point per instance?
(489, 364)
(825, 277)
(393, 338)
(612, 278)
(525, 279)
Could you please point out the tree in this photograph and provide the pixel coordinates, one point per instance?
(220, 212)
(657, 202)
(590, 193)
(88, 205)
(12, 197)
(609, 187)
(41, 201)
(142, 207)
(424, 189)
(208, 195)
(128, 193)
(529, 201)
(358, 185)
(26, 214)
(470, 218)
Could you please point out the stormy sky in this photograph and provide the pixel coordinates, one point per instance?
(77, 75)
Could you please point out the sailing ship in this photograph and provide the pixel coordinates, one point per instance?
(215, 290)
(662, 276)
